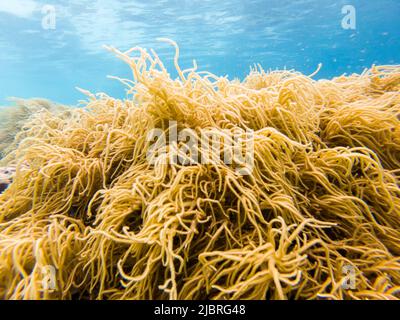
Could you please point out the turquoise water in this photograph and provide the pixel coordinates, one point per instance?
(48, 51)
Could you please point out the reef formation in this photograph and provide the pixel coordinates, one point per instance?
(14, 117)
(317, 218)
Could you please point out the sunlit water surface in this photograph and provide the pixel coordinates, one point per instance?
(224, 36)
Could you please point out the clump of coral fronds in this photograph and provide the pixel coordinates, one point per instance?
(323, 196)
(14, 117)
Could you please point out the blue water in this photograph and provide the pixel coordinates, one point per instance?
(224, 36)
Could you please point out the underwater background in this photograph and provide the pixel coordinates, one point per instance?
(48, 47)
